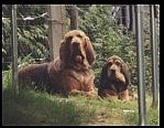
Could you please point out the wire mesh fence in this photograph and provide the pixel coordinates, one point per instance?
(32, 34)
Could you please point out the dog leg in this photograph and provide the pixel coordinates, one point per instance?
(91, 94)
(124, 95)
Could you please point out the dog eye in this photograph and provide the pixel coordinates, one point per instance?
(79, 36)
(118, 63)
(69, 38)
(110, 63)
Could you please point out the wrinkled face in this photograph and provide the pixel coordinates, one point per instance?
(113, 67)
(77, 44)
(76, 50)
(116, 70)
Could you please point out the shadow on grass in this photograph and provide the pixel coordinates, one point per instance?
(41, 108)
(36, 108)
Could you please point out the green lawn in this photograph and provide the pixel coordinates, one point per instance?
(39, 108)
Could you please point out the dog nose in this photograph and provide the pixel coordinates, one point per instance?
(75, 40)
(113, 68)
(76, 44)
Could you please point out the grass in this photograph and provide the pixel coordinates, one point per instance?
(40, 108)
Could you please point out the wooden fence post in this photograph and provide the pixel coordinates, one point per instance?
(56, 28)
(74, 18)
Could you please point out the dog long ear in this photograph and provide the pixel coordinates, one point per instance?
(64, 50)
(125, 71)
(90, 53)
(103, 75)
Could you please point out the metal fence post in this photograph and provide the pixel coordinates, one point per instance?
(140, 57)
(14, 51)
(154, 58)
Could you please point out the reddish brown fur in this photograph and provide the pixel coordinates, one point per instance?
(67, 74)
(114, 79)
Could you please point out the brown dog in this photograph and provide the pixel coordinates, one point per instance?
(114, 79)
(71, 72)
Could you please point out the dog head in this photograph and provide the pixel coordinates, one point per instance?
(77, 49)
(117, 70)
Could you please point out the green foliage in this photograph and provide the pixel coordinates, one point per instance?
(153, 116)
(108, 39)
(7, 78)
(31, 39)
(32, 107)
(7, 74)
(31, 10)
(24, 61)
(97, 22)
(5, 36)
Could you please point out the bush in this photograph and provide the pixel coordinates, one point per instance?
(97, 22)
(32, 39)
(108, 39)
